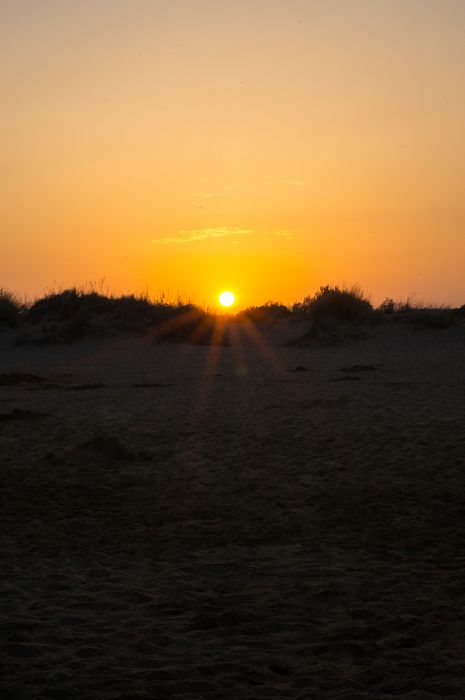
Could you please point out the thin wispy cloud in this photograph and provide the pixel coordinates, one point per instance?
(288, 235)
(209, 195)
(295, 183)
(201, 234)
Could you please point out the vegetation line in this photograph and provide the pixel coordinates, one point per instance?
(70, 314)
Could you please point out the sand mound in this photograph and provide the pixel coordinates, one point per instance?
(100, 448)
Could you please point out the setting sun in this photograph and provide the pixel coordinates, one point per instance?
(227, 298)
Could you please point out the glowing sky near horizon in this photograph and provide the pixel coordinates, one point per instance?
(262, 146)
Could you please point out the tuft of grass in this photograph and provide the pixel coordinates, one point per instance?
(388, 306)
(419, 314)
(401, 306)
(10, 309)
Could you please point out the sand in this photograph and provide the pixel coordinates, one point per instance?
(194, 522)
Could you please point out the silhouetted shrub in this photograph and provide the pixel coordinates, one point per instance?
(269, 312)
(388, 306)
(343, 305)
(9, 309)
(65, 305)
(404, 307)
(131, 313)
(335, 314)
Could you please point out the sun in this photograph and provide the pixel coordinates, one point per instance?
(227, 298)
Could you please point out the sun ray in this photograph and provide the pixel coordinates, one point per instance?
(168, 329)
(300, 391)
(186, 330)
(241, 368)
(209, 368)
(265, 348)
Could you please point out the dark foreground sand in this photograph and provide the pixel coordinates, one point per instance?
(238, 531)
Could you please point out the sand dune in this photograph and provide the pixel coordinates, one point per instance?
(194, 522)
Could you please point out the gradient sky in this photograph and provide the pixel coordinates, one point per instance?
(266, 146)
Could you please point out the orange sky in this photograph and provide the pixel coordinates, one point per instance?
(265, 146)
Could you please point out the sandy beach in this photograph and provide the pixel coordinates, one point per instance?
(250, 521)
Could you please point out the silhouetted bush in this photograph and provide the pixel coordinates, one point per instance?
(344, 305)
(269, 312)
(335, 314)
(65, 305)
(9, 309)
(388, 306)
(131, 313)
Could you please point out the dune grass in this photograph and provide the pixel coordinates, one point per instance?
(420, 314)
(269, 313)
(10, 309)
(346, 305)
(333, 313)
(70, 314)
